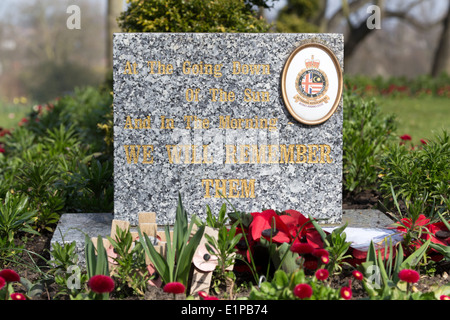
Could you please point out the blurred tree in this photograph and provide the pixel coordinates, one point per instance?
(299, 16)
(441, 62)
(193, 16)
(115, 7)
(351, 19)
(55, 58)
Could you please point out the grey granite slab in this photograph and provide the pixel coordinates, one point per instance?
(162, 81)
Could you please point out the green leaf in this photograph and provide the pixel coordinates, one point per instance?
(416, 256)
(444, 221)
(89, 252)
(280, 279)
(184, 259)
(318, 228)
(444, 250)
(157, 260)
(102, 258)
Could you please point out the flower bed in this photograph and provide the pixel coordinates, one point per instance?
(259, 255)
(281, 255)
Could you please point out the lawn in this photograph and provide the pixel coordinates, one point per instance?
(420, 117)
(12, 113)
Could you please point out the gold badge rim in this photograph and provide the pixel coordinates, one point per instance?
(337, 66)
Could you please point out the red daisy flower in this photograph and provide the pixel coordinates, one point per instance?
(409, 275)
(101, 284)
(320, 253)
(204, 296)
(18, 296)
(311, 264)
(346, 293)
(325, 259)
(357, 275)
(174, 287)
(9, 275)
(322, 274)
(405, 137)
(303, 291)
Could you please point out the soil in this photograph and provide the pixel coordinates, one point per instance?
(39, 246)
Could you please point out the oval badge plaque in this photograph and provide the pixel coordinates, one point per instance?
(312, 83)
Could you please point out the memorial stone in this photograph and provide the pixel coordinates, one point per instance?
(255, 118)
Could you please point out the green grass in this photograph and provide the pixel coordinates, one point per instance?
(11, 114)
(420, 117)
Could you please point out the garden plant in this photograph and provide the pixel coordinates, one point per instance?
(59, 159)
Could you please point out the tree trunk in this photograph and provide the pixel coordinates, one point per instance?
(441, 61)
(115, 7)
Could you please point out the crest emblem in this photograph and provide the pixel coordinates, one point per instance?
(312, 83)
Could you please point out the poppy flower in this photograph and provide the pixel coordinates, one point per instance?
(242, 247)
(407, 224)
(268, 224)
(17, 296)
(439, 233)
(294, 220)
(303, 291)
(299, 224)
(302, 248)
(101, 284)
(112, 255)
(322, 274)
(9, 275)
(174, 287)
(204, 260)
(409, 275)
(156, 280)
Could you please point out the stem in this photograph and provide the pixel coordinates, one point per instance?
(252, 267)
(270, 247)
(289, 249)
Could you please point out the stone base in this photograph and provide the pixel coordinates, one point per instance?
(74, 226)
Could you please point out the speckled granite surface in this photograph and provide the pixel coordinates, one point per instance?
(166, 100)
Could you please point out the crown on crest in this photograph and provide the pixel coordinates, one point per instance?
(311, 63)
